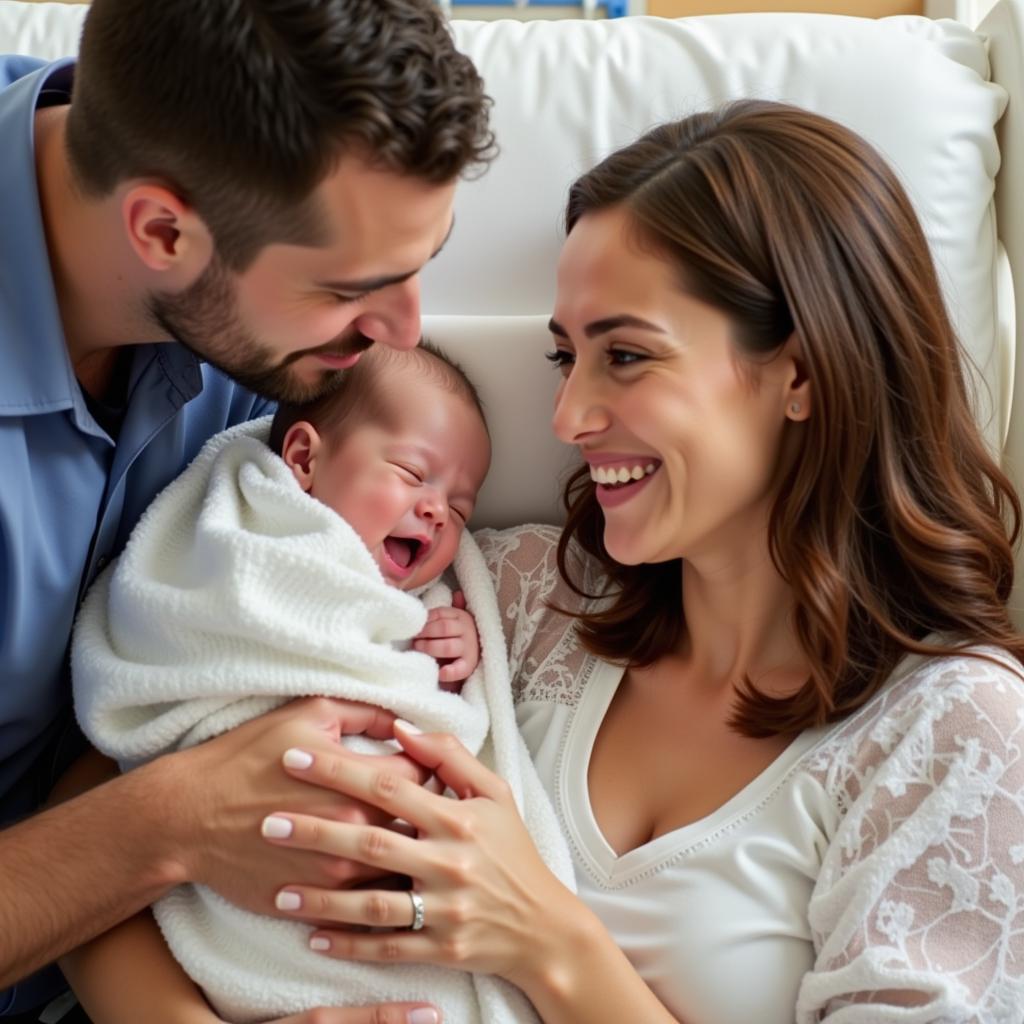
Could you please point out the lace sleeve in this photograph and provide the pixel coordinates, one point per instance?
(545, 660)
(522, 564)
(918, 913)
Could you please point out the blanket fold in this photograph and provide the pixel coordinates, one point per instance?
(236, 593)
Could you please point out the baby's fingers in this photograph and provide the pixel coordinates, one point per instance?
(439, 628)
(442, 647)
(454, 672)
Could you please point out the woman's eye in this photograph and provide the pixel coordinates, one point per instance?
(621, 357)
(560, 358)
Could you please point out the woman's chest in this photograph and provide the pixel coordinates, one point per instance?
(719, 932)
(713, 913)
(661, 759)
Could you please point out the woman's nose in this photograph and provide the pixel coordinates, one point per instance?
(580, 409)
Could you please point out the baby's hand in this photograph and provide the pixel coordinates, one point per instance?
(450, 636)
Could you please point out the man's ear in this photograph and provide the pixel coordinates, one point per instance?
(165, 233)
(300, 449)
(797, 393)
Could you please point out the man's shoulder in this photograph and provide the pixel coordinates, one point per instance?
(17, 65)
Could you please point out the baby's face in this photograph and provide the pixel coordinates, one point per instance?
(408, 487)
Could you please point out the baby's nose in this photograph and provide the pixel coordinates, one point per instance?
(432, 508)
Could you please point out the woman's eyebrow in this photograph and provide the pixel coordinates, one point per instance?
(607, 324)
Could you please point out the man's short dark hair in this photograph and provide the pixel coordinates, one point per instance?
(244, 106)
(363, 395)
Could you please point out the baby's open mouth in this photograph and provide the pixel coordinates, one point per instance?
(404, 552)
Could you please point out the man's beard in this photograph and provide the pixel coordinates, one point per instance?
(204, 319)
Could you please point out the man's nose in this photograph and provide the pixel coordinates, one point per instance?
(394, 319)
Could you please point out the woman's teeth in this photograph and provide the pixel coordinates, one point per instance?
(621, 474)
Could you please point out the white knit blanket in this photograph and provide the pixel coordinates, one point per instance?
(237, 592)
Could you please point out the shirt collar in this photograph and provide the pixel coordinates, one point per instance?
(36, 375)
(35, 371)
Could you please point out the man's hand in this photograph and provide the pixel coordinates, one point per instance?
(450, 636)
(224, 788)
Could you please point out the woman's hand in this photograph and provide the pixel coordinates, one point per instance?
(229, 784)
(489, 902)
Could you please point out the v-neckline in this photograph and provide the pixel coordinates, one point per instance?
(608, 867)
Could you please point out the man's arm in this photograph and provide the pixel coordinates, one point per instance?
(81, 867)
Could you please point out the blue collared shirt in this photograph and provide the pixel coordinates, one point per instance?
(69, 493)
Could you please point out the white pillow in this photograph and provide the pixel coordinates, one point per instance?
(504, 357)
(42, 30)
(566, 93)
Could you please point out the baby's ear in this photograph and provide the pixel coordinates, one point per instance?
(300, 449)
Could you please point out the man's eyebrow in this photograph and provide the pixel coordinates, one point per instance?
(592, 330)
(375, 284)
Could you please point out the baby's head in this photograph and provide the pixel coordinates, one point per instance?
(400, 450)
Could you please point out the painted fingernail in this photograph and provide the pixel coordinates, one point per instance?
(319, 943)
(409, 728)
(288, 901)
(276, 828)
(424, 1015)
(296, 758)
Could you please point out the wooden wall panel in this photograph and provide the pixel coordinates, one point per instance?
(864, 8)
(680, 8)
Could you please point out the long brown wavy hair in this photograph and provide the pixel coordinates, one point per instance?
(893, 522)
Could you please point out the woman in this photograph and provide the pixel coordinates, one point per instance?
(767, 671)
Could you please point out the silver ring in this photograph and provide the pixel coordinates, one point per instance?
(417, 911)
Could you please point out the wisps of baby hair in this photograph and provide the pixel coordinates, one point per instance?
(363, 393)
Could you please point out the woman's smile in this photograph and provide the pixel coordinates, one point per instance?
(619, 481)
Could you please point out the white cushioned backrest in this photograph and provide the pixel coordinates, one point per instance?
(504, 356)
(43, 30)
(568, 92)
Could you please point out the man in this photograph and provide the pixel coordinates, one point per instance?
(222, 203)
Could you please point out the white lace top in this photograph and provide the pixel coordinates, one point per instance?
(877, 863)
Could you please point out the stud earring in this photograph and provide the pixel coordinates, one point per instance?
(795, 408)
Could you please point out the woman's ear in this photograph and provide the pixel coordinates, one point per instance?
(300, 449)
(798, 383)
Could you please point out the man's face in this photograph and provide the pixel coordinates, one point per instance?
(298, 315)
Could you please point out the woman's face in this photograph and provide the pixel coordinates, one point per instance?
(654, 392)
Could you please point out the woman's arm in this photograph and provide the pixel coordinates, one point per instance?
(129, 975)
(490, 902)
(920, 897)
